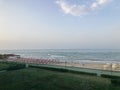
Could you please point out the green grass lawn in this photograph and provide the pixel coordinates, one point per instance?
(40, 79)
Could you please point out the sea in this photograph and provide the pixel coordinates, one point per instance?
(74, 55)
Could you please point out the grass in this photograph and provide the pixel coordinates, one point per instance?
(41, 79)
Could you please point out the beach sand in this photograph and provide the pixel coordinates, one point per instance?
(90, 65)
(107, 66)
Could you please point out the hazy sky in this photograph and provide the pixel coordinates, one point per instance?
(40, 24)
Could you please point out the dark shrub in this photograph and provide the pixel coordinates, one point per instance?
(110, 76)
(115, 82)
(50, 68)
(80, 72)
(62, 70)
(15, 66)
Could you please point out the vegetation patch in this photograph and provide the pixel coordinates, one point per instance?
(84, 73)
(115, 82)
(50, 68)
(3, 66)
(62, 70)
(15, 66)
(11, 66)
(110, 76)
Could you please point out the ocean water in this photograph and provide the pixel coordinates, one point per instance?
(87, 55)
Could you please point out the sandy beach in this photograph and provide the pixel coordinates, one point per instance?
(90, 65)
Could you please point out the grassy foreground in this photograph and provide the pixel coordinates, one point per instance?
(40, 79)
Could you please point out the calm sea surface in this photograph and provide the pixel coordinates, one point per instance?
(69, 54)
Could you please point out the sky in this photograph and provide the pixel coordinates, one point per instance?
(59, 24)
